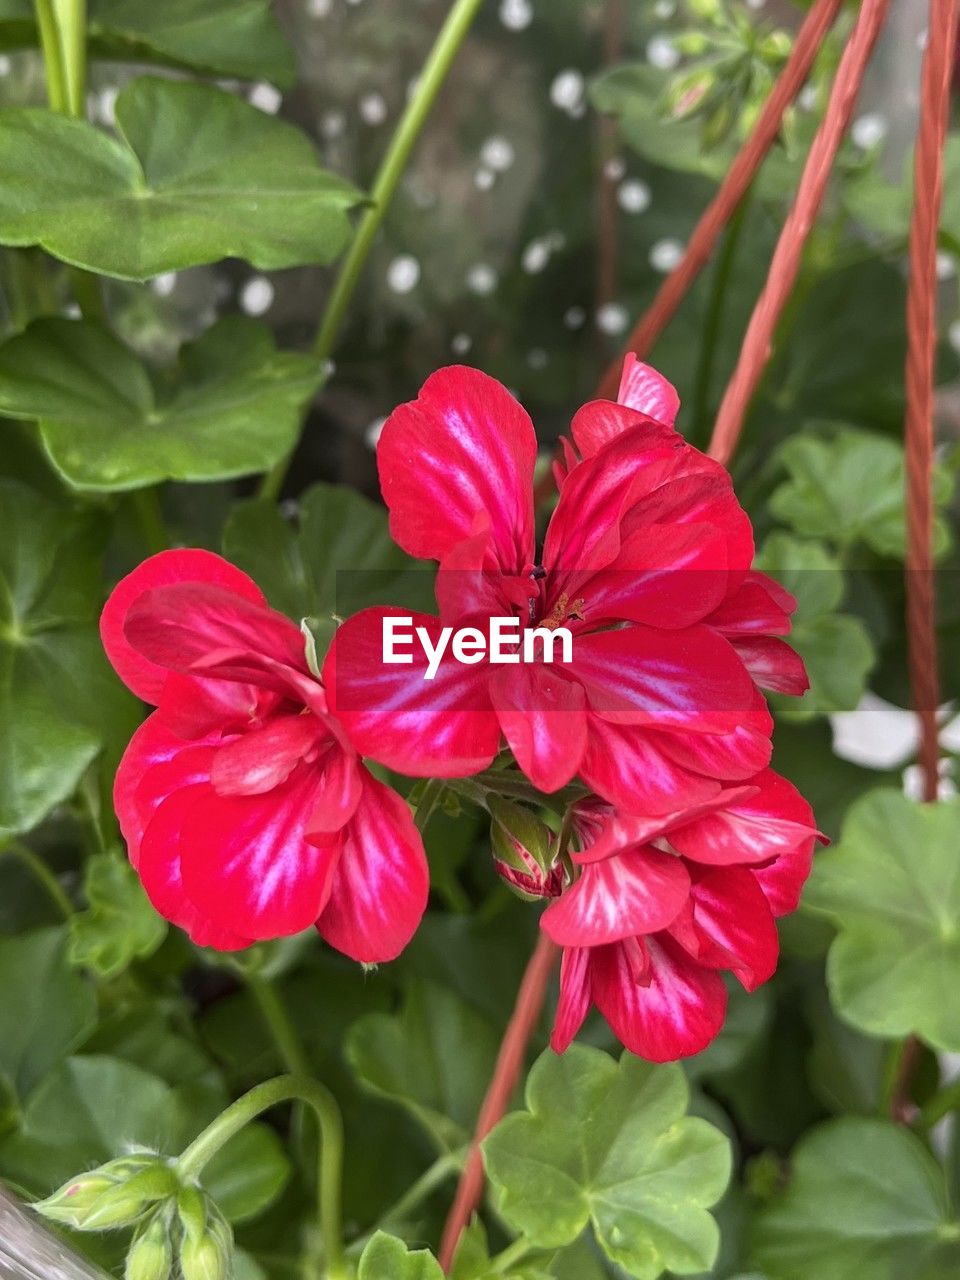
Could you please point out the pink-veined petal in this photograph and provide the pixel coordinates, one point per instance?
(675, 1014)
(265, 757)
(734, 925)
(617, 829)
(625, 765)
(543, 717)
(773, 664)
(644, 389)
(192, 706)
(734, 756)
(600, 421)
(339, 789)
(380, 888)
(445, 727)
(782, 880)
(189, 564)
(759, 606)
(574, 1002)
(462, 453)
(639, 891)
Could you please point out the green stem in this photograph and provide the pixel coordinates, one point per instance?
(943, 1102)
(512, 1254)
(42, 873)
(51, 47)
(72, 24)
(439, 61)
(281, 1028)
(150, 517)
(429, 802)
(444, 1167)
(330, 1172)
(714, 317)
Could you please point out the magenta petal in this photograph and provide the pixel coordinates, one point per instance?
(574, 1002)
(263, 758)
(759, 606)
(755, 825)
(644, 389)
(600, 421)
(639, 891)
(735, 925)
(544, 720)
(246, 862)
(442, 728)
(463, 451)
(675, 1014)
(339, 789)
(773, 664)
(380, 888)
(144, 677)
(782, 880)
(627, 766)
(619, 830)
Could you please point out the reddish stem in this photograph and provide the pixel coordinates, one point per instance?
(793, 238)
(506, 1074)
(718, 213)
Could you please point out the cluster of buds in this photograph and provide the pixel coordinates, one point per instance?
(178, 1230)
(732, 64)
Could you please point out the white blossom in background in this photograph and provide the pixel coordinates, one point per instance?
(869, 130)
(403, 273)
(614, 169)
(877, 735)
(913, 781)
(497, 153)
(612, 318)
(516, 15)
(481, 279)
(163, 285)
(634, 196)
(807, 97)
(256, 296)
(461, 343)
(372, 433)
(332, 124)
(574, 317)
(567, 90)
(665, 255)
(484, 179)
(105, 104)
(373, 108)
(946, 267)
(266, 97)
(663, 53)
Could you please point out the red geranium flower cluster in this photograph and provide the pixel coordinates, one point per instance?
(248, 811)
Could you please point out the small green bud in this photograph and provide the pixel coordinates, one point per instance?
(150, 1256)
(114, 1195)
(776, 46)
(716, 126)
(192, 1211)
(688, 93)
(708, 10)
(524, 849)
(690, 43)
(206, 1254)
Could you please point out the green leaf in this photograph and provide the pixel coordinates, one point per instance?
(230, 406)
(229, 37)
(60, 704)
(387, 1258)
(46, 1011)
(866, 1201)
(247, 1175)
(197, 175)
(884, 207)
(892, 887)
(435, 1059)
(835, 647)
(848, 489)
(120, 925)
(609, 1144)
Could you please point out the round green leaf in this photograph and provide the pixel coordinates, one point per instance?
(120, 925)
(247, 1175)
(387, 1258)
(609, 1144)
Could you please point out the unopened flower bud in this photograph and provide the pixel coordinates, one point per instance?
(776, 46)
(688, 93)
(205, 1253)
(690, 43)
(114, 1195)
(716, 126)
(524, 850)
(709, 10)
(150, 1256)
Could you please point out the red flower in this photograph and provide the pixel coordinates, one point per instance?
(663, 905)
(648, 546)
(245, 808)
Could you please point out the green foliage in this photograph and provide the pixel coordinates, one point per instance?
(196, 175)
(119, 925)
(386, 1258)
(865, 1200)
(891, 887)
(610, 1145)
(230, 406)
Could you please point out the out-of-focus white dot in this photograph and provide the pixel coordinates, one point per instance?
(106, 104)
(497, 153)
(256, 296)
(946, 266)
(481, 279)
(461, 343)
(536, 256)
(756, 4)
(329, 368)
(663, 53)
(163, 285)
(266, 97)
(332, 124)
(574, 317)
(566, 91)
(484, 179)
(372, 434)
(612, 318)
(666, 254)
(953, 334)
(614, 169)
(354, 1)
(73, 311)
(516, 15)
(537, 358)
(5, 64)
(922, 39)
(807, 97)
(290, 508)
(319, 8)
(403, 273)
(634, 196)
(373, 108)
(869, 129)
(664, 9)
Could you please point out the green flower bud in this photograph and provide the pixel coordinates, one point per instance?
(205, 1253)
(688, 93)
(690, 43)
(776, 46)
(716, 126)
(114, 1195)
(709, 10)
(524, 849)
(150, 1256)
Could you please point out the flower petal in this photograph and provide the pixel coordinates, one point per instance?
(639, 891)
(627, 766)
(600, 421)
(676, 1013)
(759, 606)
(443, 728)
(734, 925)
(644, 389)
(190, 564)
(773, 664)
(380, 888)
(574, 1002)
(617, 830)
(543, 717)
(463, 451)
(264, 757)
